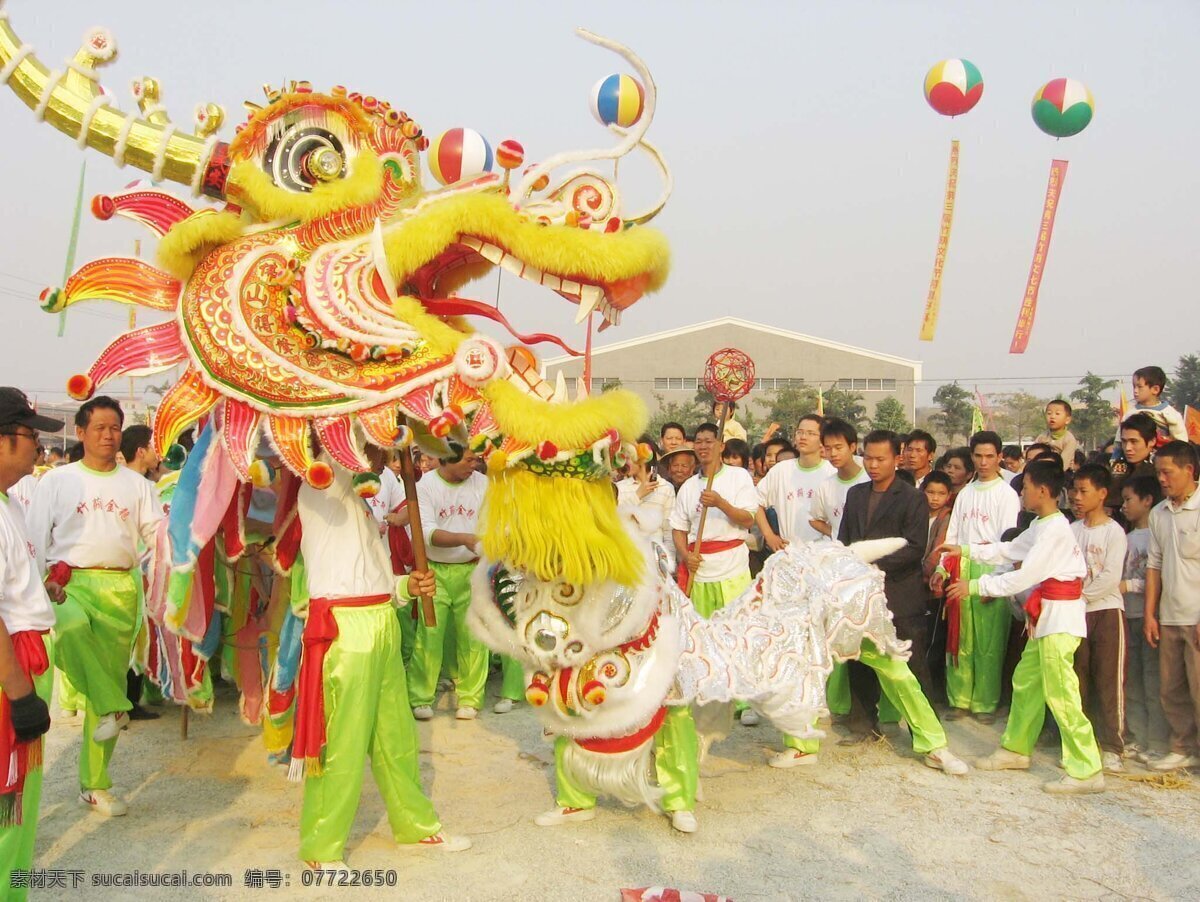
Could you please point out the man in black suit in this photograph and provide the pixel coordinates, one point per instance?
(888, 507)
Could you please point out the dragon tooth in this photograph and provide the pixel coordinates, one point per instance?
(560, 389)
(569, 287)
(491, 253)
(588, 300)
(473, 243)
(551, 281)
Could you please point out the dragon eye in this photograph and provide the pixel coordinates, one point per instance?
(303, 156)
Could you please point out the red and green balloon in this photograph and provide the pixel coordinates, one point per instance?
(1063, 107)
(953, 86)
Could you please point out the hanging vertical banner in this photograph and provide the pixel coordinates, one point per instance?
(1020, 339)
(73, 242)
(934, 300)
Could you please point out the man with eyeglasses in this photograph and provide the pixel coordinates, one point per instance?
(26, 618)
(90, 521)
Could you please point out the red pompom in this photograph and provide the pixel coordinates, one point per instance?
(103, 207)
(80, 386)
(319, 475)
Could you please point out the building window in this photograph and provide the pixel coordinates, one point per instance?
(690, 383)
(845, 383)
(860, 384)
(675, 383)
(660, 383)
(599, 383)
(889, 384)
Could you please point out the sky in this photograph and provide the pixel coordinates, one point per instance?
(808, 168)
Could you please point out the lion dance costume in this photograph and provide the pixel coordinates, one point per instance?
(315, 303)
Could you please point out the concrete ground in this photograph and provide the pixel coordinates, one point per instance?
(869, 821)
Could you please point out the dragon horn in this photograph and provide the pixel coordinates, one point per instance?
(72, 100)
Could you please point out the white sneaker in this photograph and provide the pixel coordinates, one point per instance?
(336, 868)
(103, 802)
(1132, 750)
(423, 712)
(792, 758)
(440, 842)
(560, 816)
(465, 713)
(503, 706)
(684, 821)
(1068, 785)
(946, 761)
(1175, 761)
(1111, 762)
(110, 726)
(749, 718)
(1003, 759)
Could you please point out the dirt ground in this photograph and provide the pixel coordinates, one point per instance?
(869, 821)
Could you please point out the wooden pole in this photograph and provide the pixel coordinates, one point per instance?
(414, 523)
(183, 723)
(708, 488)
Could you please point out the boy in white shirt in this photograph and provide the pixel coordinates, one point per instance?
(791, 486)
(90, 521)
(840, 441)
(352, 698)
(450, 499)
(1052, 566)
(1100, 660)
(25, 646)
(1148, 385)
(982, 511)
(1144, 713)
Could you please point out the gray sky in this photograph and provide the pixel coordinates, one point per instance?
(808, 168)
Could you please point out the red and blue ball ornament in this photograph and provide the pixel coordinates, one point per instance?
(618, 100)
(953, 86)
(459, 154)
(1063, 107)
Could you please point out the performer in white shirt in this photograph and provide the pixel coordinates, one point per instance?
(450, 500)
(721, 564)
(649, 499)
(791, 486)
(1052, 566)
(26, 618)
(983, 510)
(90, 521)
(840, 441)
(352, 695)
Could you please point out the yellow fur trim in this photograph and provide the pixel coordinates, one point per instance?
(440, 334)
(561, 250)
(531, 420)
(250, 186)
(558, 528)
(188, 242)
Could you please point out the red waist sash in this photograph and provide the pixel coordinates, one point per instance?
(1051, 590)
(709, 546)
(619, 744)
(19, 758)
(319, 632)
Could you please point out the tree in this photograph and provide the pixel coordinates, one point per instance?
(889, 414)
(1019, 415)
(689, 413)
(610, 385)
(1094, 419)
(846, 405)
(787, 406)
(1184, 388)
(954, 417)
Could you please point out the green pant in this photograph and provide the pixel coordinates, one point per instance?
(900, 688)
(408, 629)
(676, 763)
(450, 603)
(94, 631)
(69, 698)
(974, 683)
(837, 689)
(512, 679)
(1045, 678)
(366, 715)
(708, 598)
(16, 841)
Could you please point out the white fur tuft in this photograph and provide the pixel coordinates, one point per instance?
(870, 550)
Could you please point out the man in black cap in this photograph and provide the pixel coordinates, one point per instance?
(26, 618)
